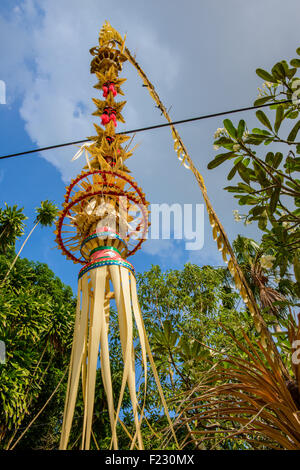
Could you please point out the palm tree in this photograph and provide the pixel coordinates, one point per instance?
(11, 226)
(255, 404)
(46, 215)
(258, 270)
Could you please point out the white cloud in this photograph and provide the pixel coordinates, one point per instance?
(201, 59)
(51, 70)
(208, 255)
(165, 249)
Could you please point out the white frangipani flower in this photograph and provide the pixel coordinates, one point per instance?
(236, 215)
(219, 132)
(267, 261)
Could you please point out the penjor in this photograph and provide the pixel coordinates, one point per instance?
(104, 220)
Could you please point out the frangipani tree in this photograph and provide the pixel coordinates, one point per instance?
(268, 180)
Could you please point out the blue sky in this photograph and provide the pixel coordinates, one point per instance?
(201, 57)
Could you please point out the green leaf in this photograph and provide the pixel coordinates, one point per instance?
(269, 158)
(278, 71)
(223, 140)
(295, 63)
(256, 130)
(247, 200)
(241, 128)
(257, 210)
(274, 200)
(255, 139)
(292, 185)
(297, 288)
(232, 172)
(244, 172)
(285, 65)
(260, 174)
(167, 327)
(265, 76)
(298, 50)
(221, 158)
(277, 159)
(229, 146)
(263, 119)
(262, 100)
(263, 221)
(291, 72)
(246, 187)
(269, 141)
(238, 159)
(283, 267)
(291, 114)
(230, 128)
(293, 134)
(296, 263)
(235, 189)
(279, 117)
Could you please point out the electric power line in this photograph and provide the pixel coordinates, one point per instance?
(142, 129)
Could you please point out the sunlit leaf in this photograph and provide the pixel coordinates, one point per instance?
(265, 76)
(219, 159)
(293, 134)
(230, 128)
(263, 119)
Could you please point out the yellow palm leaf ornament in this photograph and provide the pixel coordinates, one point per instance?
(104, 220)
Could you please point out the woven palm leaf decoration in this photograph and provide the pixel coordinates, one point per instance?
(95, 229)
(104, 220)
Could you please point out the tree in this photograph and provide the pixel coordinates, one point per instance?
(36, 324)
(259, 401)
(273, 293)
(250, 400)
(46, 215)
(268, 179)
(183, 311)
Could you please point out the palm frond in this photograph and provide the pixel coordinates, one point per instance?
(256, 403)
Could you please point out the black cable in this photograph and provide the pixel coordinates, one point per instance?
(142, 129)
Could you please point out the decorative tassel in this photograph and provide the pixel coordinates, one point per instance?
(91, 331)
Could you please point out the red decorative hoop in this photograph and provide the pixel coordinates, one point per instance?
(104, 173)
(140, 202)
